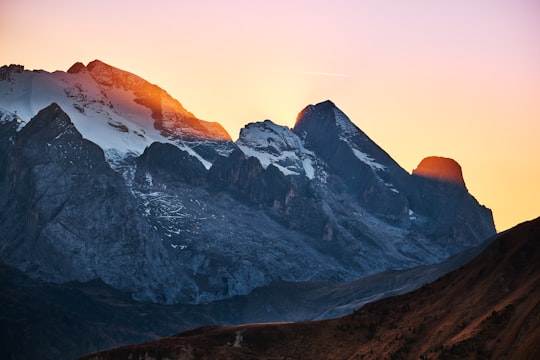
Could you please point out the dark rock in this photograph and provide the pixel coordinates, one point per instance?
(68, 214)
(120, 127)
(336, 140)
(246, 178)
(7, 71)
(166, 164)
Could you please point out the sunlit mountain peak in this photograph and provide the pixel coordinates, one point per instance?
(440, 168)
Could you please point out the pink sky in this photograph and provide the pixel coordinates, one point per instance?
(457, 78)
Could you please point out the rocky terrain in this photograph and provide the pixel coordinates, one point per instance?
(63, 321)
(487, 309)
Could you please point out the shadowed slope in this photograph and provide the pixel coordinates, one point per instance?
(488, 309)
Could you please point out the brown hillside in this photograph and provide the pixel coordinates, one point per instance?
(488, 309)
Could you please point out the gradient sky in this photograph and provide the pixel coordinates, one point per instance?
(457, 78)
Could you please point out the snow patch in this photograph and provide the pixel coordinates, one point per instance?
(347, 130)
(345, 125)
(207, 164)
(365, 158)
(308, 168)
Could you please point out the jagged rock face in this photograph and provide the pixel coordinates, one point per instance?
(441, 169)
(165, 163)
(105, 195)
(7, 71)
(351, 155)
(245, 177)
(455, 216)
(68, 214)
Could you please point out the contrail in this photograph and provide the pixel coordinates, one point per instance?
(324, 73)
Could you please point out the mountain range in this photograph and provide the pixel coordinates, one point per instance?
(105, 177)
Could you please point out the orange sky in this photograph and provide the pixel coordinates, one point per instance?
(459, 78)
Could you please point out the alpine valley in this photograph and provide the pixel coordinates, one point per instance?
(125, 216)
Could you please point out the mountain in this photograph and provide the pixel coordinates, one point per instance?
(487, 309)
(105, 176)
(115, 199)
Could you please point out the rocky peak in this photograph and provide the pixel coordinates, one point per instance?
(51, 123)
(110, 76)
(268, 136)
(327, 120)
(171, 118)
(7, 71)
(320, 115)
(77, 68)
(277, 145)
(329, 132)
(440, 168)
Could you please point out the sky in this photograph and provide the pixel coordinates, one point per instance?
(457, 78)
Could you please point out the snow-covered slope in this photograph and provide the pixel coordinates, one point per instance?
(118, 111)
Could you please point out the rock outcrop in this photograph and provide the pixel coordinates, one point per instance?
(441, 169)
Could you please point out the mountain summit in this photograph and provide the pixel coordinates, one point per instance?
(440, 168)
(171, 117)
